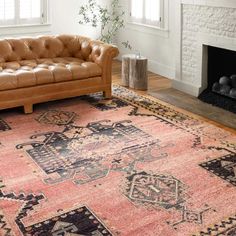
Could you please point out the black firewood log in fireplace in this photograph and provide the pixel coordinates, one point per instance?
(226, 86)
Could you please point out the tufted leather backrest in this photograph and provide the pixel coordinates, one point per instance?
(47, 47)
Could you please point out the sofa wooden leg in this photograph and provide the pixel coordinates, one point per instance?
(107, 94)
(28, 108)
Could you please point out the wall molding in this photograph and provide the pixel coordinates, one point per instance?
(147, 29)
(186, 88)
(14, 31)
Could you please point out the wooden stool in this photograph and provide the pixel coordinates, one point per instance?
(134, 71)
(138, 73)
(125, 69)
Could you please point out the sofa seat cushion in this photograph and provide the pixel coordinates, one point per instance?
(29, 73)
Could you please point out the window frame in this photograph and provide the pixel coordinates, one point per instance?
(17, 21)
(145, 22)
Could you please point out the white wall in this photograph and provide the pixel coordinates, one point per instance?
(158, 46)
(65, 18)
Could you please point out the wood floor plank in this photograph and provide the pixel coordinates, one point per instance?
(160, 87)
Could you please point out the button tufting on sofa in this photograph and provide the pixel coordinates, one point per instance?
(34, 70)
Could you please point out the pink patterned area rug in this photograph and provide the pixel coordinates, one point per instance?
(126, 167)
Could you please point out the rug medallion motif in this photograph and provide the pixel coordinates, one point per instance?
(224, 167)
(56, 117)
(93, 150)
(164, 191)
(76, 222)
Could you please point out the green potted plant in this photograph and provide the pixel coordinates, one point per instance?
(110, 19)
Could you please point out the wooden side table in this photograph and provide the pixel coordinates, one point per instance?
(125, 69)
(134, 71)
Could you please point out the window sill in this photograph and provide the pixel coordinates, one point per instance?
(148, 29)
(15, 30)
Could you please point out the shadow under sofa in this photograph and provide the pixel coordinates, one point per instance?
(46, 68)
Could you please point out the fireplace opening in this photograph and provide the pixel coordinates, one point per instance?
(221, 74)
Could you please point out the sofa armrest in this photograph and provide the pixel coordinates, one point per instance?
(102, 53)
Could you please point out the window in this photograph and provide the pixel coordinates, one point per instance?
(147, 12)
(22, 12)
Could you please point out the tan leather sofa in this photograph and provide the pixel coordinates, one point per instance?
(34, 70)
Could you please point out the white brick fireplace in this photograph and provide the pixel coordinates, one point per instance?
(201, 23)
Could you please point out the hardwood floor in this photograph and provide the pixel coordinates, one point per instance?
(160, 88)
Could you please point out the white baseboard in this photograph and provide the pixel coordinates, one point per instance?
(157, 68)
(186, 88)
(161, 69)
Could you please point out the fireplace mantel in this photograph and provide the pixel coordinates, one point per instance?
(199, 23)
